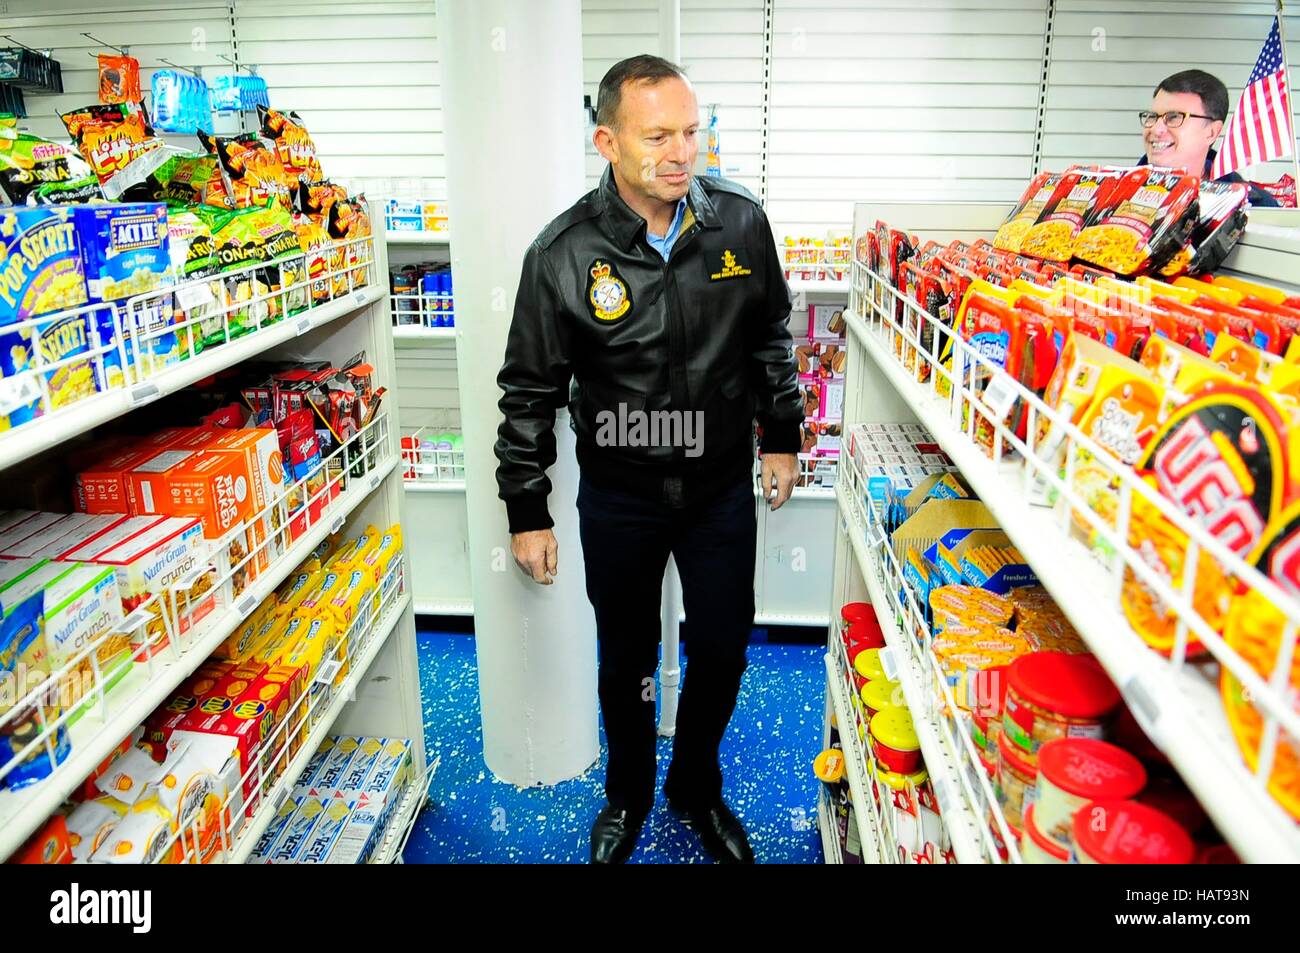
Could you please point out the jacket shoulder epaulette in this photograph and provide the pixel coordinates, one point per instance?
(586, 208)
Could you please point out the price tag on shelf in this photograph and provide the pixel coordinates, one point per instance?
(194, 296)
(941, 794)
(1000, 396)
(337, 524)
(144, 393)
(889, 664)
(374, 481)
(188, 580)
(1143, 703)
(303, 325)
(359, 297)
(328, 671)
(875, 535)
(136, 619)
(800, 301)
(16, 392)
(246, 605)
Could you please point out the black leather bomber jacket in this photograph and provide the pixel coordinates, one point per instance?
(669, 361)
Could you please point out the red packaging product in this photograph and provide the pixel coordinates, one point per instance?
(1042, 190)
(1071, 209)
(1146, 219)
(105, 486)
(1220, 318)
(1220, 225)
(1088, 275)
(1185, 327)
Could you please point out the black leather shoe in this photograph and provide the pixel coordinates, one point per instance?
(721, 834)
(614, 835)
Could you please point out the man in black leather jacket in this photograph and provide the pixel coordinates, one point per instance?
(662, 297)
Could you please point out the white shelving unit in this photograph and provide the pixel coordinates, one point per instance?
(383, 688)
(417, 238)
(1176, 703)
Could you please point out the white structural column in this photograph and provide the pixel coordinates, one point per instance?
(512, 88)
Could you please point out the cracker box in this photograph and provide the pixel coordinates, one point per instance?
(115, 535)
(71, 530)
(41, 272)
(363, 833)
(352, 785)
(152, 561)
(148, 491)
(260, 450)
(81, 606)
(314, 765)
(49, 845)
(334, 768)
(262, 849)
(329, 829)
(292, 842)
(126, 252)
(103, 487)
(15, 535)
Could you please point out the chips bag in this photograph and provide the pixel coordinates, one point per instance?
(349, 220)
(256, 173)
(28, 163)
(314, 243)
(118, 142)
(193, 260)
(192, 179)
(119, 79)
(293, 145)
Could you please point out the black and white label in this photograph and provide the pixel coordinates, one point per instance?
(144, 393)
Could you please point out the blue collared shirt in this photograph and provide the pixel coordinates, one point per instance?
(663, 244)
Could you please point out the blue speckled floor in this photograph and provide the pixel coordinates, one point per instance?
(766, 756)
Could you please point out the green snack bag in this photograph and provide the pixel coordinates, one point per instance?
(193, 260)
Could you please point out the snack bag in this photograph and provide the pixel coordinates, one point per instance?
(315, 245)
(1149, 217)
(192, 179)
(349, 221)
(256, 174)
(293, 145)
(198, 314)
(119, 79)
(27, 163)
(118, 142)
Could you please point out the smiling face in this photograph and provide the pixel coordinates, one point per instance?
(1187, 146)
(654, 142)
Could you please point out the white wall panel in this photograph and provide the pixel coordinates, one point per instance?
(1107, 57)
(886, 99)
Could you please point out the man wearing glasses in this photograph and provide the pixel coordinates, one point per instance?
(1184, 120)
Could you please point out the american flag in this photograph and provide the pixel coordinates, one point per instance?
(1261, 127)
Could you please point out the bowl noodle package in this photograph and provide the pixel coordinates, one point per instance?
(1041, 191)
(1219, 226)
(1070, 210)
(1255, 629)
(1149, 216)
(1223, 458)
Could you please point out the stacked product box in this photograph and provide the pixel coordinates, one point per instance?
(822, 358)
(342, 805)
(416, 215)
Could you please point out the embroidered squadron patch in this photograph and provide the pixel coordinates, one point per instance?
(730, 268)
(609, 297)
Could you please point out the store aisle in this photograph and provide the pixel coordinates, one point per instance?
(774, 736)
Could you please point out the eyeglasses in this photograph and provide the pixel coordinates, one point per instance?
(1172, 119)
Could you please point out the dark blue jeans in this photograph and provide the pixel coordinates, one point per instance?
(626, 540)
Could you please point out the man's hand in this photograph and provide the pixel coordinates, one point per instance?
(536, 553)
(780, 470)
